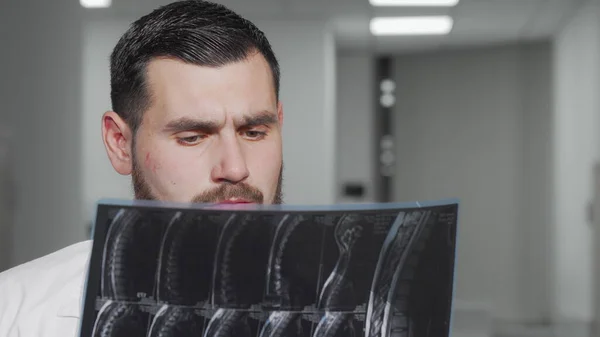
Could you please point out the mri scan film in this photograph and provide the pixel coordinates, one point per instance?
(169, 270)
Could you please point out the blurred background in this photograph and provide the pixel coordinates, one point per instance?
(495, 102)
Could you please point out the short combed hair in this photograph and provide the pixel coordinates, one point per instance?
(194, 31)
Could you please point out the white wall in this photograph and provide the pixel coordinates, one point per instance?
(40, 95)
(99, 177)
(307, 56)
(474, 124)
(6, 123)
(6, 196)
(355, 118)
(576, 148)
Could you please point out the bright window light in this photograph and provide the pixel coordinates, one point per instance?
(415, 3)
(95, 3)
(416, 25)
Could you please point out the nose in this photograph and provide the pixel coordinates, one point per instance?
(231, 163)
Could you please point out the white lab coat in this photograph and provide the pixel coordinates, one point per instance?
(43, 298)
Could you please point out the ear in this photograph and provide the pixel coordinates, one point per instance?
(117, 138)
(280, 113)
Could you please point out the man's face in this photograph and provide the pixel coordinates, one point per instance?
(209, 135)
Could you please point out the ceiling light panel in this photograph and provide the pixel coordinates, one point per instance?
(416, 25)
(95, 3)
(414, 3)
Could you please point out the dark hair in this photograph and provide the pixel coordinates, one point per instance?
(194, 31)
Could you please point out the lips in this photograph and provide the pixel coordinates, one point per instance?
(234, 204)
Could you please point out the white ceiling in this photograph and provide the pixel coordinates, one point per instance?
(476, 22)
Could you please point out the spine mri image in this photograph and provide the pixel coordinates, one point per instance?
(167, 272)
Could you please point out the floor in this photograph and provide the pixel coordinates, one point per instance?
(473, 320)
(565, 330)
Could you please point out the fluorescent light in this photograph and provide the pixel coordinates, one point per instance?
(95, 3)
(415, 3)
(415, 25)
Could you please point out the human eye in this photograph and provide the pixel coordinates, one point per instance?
(254, 134)
(190, 140)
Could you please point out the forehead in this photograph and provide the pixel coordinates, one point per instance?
(180, 89)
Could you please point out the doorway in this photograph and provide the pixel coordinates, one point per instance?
(472, 124)
(596, 252)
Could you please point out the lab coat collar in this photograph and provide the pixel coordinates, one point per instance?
(71, 303)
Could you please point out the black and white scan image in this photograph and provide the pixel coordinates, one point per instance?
(383, 270)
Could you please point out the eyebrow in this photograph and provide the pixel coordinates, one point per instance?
(188, 124)
(261, 118)
(207, 126)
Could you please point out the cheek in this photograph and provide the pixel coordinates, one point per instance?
(166, 167)
(266, 164)
(150, 163)
(182, 172)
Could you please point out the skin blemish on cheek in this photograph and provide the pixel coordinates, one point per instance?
(149, 164)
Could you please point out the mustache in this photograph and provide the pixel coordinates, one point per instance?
(229, 191)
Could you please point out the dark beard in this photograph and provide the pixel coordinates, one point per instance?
(224, 191)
